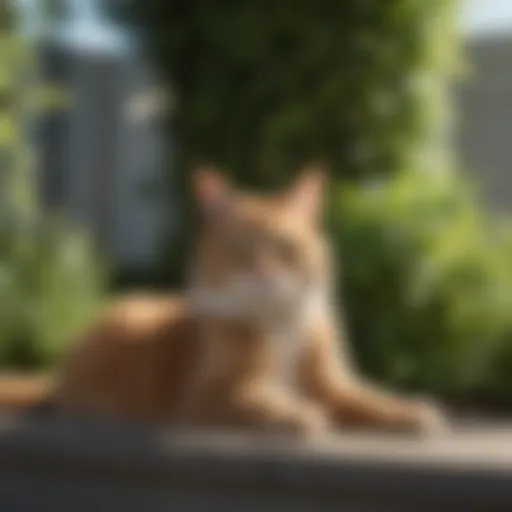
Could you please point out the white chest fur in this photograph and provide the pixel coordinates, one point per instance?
(287, 344)
(288, 337)
(284, 330)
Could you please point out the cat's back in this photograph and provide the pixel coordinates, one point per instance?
(136, 320)
(133, 360)
(143, 314)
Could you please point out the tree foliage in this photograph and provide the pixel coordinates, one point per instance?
(50, 278)
(261, 86)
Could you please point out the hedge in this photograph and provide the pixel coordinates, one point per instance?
(51, 279)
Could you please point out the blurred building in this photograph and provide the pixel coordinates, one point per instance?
(484, 125)
(103, 156)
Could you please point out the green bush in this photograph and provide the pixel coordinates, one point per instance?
(50, 278)
(427, 281)
(50, 286)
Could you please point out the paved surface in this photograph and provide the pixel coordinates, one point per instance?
(469, 444)
(83, 465)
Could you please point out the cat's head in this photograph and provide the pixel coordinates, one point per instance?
(258, 253)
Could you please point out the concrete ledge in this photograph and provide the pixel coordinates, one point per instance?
(77, 465)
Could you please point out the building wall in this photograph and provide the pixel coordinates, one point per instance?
(96, 159)
(140, 192)
(484, 119)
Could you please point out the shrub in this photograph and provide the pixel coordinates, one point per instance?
(50, 285)
(427, 281)
(50, 278)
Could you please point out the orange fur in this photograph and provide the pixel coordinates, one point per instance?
(168, 359)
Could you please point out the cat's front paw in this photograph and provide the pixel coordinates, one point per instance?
(304, 421)
(310, 421)
(430, 419)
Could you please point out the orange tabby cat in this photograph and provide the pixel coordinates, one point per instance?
(252, 344)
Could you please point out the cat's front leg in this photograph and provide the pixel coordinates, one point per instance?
(353, 402)
(263, 405)
(357, 403)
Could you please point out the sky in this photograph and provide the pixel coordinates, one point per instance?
(482, 17)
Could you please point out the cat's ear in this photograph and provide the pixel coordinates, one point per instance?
(212, 192)
(306, 194)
